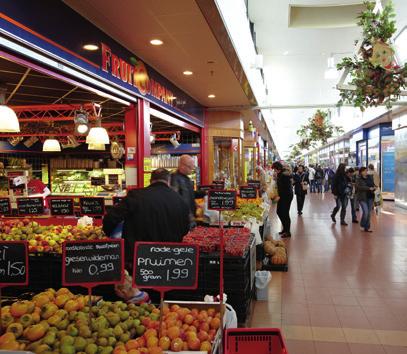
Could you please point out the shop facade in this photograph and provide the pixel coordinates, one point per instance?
(149, 119)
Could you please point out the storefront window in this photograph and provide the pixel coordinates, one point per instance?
(226, 161)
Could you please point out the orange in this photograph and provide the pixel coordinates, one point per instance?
(188, 319)
(164, 343)
(194, 344)
(177, 345)
(205, 347)
(215, 323)
(132, 344)
(150, 333)
(155, 350)
(133, 351)
(173, 332)
(152, 342)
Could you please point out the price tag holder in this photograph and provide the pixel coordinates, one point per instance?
(13, 263)
(92, 206)
(221, 200)
(253, 183)
(248, 192)
(97, 181)
(30, 206)
(5, 207)
(92, 263)
(61, 206)
(165, 266)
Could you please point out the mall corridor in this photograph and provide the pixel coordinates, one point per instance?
(345, 290)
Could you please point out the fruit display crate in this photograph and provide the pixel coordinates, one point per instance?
(276, 267)
(254, 340)
(200, 305)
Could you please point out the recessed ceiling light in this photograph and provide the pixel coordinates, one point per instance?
(90, 46)
(156, 42)
(211, 95)
(187, 72)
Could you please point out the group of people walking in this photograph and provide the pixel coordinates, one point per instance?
(349, 186)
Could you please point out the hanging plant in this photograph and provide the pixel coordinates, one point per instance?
(375, 74)
(317, 131)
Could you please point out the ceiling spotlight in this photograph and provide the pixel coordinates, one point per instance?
(187, 72)
(90, 46)
(211, 95)
(174, 141)
(81, 121)
(156, 42)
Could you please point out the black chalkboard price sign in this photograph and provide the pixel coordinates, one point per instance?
(92, 206)
(165, 266)
(97, 181)
(248, 193)
(206, 187)
(91, 263)
(218, 185)
(253, 183)
(13, 263)
(61, 206)
(30, 206)
(5, 207)
(221, 200)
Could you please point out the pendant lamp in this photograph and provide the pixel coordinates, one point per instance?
(97, 135)
(51, 145)
(8, 118)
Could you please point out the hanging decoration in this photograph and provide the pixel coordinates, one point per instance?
(317, 130)
(376, 77)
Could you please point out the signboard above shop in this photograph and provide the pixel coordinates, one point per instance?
(115, 68)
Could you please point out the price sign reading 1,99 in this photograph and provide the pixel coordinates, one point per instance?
(90, 263)
(165, 266)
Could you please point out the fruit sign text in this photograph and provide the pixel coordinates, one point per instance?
(92, 206)
(254, 183)
(61, 206)
(248, 193)
(165, 266)
(30, 206)
(221, 200)
(90, 263)
(5, 208)
(13, 263)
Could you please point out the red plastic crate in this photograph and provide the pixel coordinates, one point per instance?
(254, 340)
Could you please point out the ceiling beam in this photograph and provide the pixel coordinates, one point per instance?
(18, 85)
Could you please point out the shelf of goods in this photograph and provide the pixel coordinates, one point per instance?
(239, 268)
(61, 321)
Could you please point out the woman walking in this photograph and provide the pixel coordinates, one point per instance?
(285, 197)
(339, 190)
(365, 188)
(301, 182)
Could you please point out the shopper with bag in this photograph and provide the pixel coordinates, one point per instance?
(284, 198)
(365, 194)
(339, 190)
(352, 193)
(301, 183)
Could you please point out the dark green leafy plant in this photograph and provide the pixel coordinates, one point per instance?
(378, 80)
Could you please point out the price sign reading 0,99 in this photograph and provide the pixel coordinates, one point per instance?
(90, 263)
(165, 265)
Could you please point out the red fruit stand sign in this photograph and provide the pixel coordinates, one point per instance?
(165, 266)
(222, 200)
(91, 263)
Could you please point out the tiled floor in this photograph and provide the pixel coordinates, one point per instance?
(345, 291)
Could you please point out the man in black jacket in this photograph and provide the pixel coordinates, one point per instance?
(182, 184)
(340, 190)
(152, 214)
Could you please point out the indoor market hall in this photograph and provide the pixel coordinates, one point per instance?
(203, 177)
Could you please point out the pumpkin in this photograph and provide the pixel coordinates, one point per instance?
(269, 247)
(279, 258)
(280, 243)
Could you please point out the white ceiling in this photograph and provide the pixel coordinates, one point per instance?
(295, 60)
(188, 43)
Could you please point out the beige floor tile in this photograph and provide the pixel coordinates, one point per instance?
(363, 336)
(297, 332)
(328, 334)
(398, 338)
